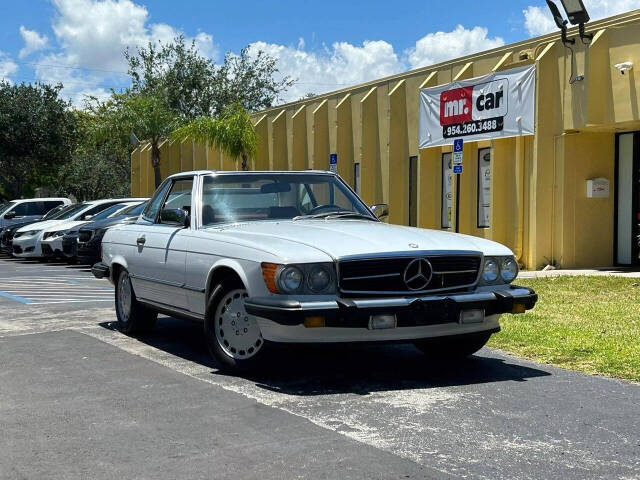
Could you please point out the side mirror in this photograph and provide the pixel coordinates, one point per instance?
(174, 216)
(88, 217)
(10, 215)
(380, 210)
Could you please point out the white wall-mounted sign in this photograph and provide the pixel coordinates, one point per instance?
(498, 105)
(597, 188)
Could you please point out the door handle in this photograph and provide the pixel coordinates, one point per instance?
(141, 240)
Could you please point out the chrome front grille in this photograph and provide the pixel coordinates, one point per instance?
(388, 275)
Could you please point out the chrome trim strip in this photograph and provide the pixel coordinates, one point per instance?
(453, 272)
(373, 276)
(172, 309)
(414, 253)
(155, 280)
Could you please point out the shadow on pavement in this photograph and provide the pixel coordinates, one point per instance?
(307, 370)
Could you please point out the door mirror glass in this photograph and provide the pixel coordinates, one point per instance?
(174, 216)
(380, 210)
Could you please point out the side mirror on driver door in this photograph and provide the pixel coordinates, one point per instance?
(380, 210)
(174, 216)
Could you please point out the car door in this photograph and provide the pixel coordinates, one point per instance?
(158, 263)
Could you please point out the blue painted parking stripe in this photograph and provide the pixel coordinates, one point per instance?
(15, 297)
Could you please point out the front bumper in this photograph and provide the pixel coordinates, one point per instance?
(89, 252)
(26, 247)
(409, 311)
(52, 247)
(100, 270)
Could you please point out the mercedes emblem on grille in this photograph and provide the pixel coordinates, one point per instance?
(418, 274)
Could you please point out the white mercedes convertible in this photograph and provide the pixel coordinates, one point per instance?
(297, 257)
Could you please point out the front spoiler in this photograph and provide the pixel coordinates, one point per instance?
(409, 311)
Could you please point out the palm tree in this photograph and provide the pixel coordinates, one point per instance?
(232, 132)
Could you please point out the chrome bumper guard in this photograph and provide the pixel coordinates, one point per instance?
(409, 311)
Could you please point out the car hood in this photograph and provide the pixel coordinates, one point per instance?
(40, 225)
(63, 225)
(344, 238)
(111, 222)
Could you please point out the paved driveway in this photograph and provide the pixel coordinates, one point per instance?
(79, 399)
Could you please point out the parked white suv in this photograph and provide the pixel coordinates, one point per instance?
(27, 241)
(293, 257)
(26, 210)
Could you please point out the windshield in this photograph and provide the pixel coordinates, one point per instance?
(107, 212)
(65, 215)
(6, 207)
(57, 215)
(135, 209)
(247, 197)
(53, 213)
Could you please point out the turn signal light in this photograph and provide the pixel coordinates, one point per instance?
(518, 308)
(269, 271)
(314, 322)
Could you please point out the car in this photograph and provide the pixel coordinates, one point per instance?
(69, 241)
(89, 237)
(8, 232)
(25, 210)
(27, 241)
(297, 257)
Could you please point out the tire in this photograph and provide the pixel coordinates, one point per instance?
(452, 348)
(233, 336)
(133, 317)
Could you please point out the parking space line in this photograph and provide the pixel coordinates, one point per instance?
(15, 297)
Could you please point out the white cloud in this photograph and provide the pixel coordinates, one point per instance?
(336, 66)
(441, 46)
(92, 36)
(33, 41)
(344, 64)
(7, 67)
(538, 20)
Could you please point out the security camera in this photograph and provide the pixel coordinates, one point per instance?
(624, 67)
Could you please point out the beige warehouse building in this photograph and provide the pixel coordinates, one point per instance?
(567, 195)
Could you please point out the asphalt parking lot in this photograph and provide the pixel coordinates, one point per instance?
(80, 400)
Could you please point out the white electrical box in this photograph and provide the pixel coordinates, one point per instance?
(598, 188)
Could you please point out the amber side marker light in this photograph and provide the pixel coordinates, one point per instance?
(314, 322)
(269, 271)
(518, 308)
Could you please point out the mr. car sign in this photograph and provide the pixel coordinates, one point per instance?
(497, 105)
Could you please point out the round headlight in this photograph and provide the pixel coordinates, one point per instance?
(290, 279)
(509, 270)
(319, 279)
(491, 270)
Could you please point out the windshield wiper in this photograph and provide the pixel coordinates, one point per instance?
(336, 214)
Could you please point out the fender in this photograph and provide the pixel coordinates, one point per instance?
(117, 260)
(229, 263)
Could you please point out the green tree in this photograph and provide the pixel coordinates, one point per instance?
(37, 135)
(146, 116)
(232, 132)
(192, 85)
(99, 167)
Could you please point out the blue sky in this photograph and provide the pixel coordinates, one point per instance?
(325, 45)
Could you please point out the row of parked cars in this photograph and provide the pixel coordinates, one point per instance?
(56, 228)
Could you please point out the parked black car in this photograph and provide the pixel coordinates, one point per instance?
(7, 233)
(115, 212)
(89, 243)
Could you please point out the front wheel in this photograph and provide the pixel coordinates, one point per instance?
(453, 347)
(133, 317)
(233, 336)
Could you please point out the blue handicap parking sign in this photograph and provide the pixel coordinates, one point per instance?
(333, 159)
(457, 145)
(457, 169)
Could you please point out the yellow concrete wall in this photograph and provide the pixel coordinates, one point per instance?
(538, 204)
